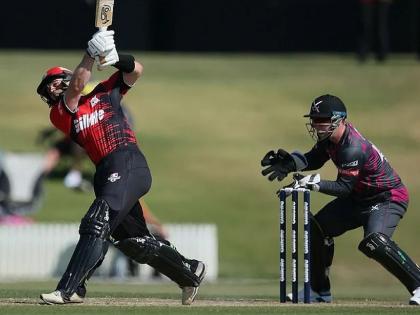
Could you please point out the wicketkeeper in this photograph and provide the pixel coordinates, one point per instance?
(369, 192)
(97, 123)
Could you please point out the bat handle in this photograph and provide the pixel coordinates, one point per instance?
(99, 59)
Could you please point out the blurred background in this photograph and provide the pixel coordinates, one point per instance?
(224, 82)
(220, 26)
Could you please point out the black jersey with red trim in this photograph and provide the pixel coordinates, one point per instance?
(99, 124)
(363, 171)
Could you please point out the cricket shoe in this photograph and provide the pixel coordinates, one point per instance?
(322, 297)
(415, 299)
(189, 293)
(56, 297)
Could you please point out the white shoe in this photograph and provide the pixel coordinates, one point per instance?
(324, 297)
(57, 298)
(76, 298)
(189, 293)
(415, 299)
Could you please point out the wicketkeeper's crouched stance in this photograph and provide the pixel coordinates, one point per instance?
(97, 123)
(369, 194)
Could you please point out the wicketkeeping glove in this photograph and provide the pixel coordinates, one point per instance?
(101, 43)
(279, 164)
(310, 181)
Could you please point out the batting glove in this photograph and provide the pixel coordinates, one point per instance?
(310, 182)
(111, 58)
(101, 43)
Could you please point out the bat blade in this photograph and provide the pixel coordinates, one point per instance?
(104, 11)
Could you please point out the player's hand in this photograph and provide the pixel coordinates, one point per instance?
(101, 43)
(279, 164)
(109, 59)
(310, 182)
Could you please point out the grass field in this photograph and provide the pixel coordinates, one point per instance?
(204, 122)
(225, 297)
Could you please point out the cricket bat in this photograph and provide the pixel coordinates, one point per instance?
(103, 19)
(104, 10)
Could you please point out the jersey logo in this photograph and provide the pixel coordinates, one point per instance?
(370, 246)
(88, 120)
(140, 240)
(94, 101)
(374, 208)
(348, 172)
(351, 164)
(114, 177)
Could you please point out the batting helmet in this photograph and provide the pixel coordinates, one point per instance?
(49, 76)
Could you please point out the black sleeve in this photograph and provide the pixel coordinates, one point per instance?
(125, 63)
(349, 164)
(316, 158)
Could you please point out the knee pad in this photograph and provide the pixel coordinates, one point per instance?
(381, 248)
(96, 220)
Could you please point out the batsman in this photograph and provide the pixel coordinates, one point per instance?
(369, 194)
(97, 123)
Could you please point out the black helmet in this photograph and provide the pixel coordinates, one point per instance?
(325, 106)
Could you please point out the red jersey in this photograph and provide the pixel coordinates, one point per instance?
(99, 124)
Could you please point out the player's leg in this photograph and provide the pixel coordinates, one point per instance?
(382, 30)
(115, 191)
(89, 252)
(366, 30)
(322, 253)
(163, 257)
(380, 223)
(134, 240)
(118, 195)
(334, 219)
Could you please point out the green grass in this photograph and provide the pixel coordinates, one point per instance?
(205, 121)
(226, 297)
(162, 310)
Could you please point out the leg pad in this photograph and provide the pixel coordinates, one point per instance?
(90, 250)
(161, 256)
(381, 248)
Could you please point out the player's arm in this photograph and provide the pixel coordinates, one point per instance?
(315, 158)
(350, 163)
(279, 164)
(100, 43)
(80, 78)
(131, 69)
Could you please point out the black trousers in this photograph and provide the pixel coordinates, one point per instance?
(121, 179)
(374, 30)
(344, 214)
